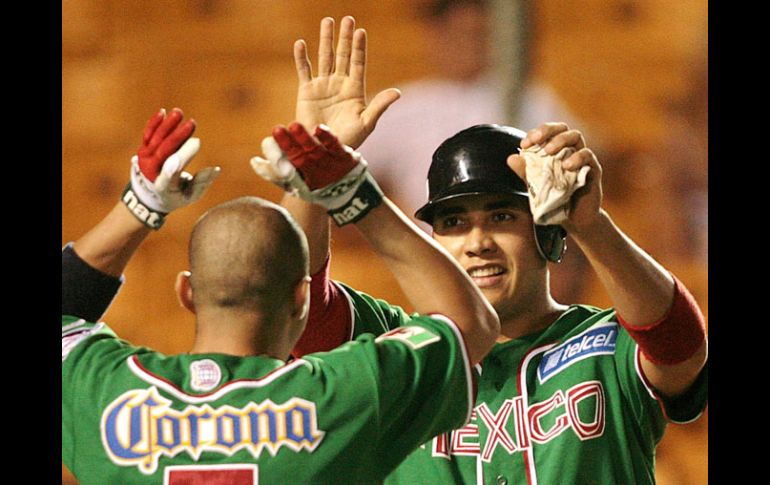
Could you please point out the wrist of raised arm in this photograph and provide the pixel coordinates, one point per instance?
(593, 233)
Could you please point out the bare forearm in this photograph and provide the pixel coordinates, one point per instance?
(429, 277)
(641, 289)
(412, 256)
(315, 223)
(668, 330)
(653, 307)
(110, 244)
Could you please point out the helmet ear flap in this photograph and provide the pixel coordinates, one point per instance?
(551, 242)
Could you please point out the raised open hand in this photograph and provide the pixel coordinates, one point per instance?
(336, 97)
(159, 183)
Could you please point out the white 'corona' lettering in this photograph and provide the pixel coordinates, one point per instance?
(140, 426)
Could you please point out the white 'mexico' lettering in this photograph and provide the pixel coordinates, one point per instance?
(525, 423)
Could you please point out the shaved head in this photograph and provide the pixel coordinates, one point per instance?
(246, 254)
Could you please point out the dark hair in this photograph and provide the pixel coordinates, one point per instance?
(436, 9)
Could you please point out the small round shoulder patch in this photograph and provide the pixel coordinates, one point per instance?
(204, 375)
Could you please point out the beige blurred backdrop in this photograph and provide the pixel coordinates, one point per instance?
(634, 70)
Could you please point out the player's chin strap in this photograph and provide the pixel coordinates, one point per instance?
(551, 242)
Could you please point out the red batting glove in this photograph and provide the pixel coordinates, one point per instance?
(321, 162)
(163, 136)
(319, 170)
(159, 183)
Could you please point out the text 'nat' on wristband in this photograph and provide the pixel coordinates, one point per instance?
(148, 217)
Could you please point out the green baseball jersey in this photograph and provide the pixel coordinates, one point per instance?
(133, 415)
(567, 405)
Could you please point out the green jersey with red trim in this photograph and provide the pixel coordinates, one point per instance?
(133, 415)
(567, 405)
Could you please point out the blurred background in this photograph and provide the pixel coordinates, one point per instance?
(631, 74)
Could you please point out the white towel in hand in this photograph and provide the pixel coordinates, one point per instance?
(550, 186)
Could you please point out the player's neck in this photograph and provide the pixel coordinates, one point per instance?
(528, 316)
(241, 333)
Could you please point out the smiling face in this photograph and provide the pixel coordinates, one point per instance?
(492, 237)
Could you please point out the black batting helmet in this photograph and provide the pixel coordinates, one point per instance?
(474, 162)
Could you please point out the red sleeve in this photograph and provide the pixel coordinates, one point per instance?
(330, 319)
(677, 336)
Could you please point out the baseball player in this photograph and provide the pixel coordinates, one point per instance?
(233, 410)
(570, 394)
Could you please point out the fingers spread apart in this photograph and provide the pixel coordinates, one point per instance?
(344, 45)
(302, 62)
(326, 48)
(350, 55)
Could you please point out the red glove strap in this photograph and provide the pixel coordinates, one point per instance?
(330, 319)
(677, 336)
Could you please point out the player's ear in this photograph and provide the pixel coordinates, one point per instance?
(184, 292)
(301, 299)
